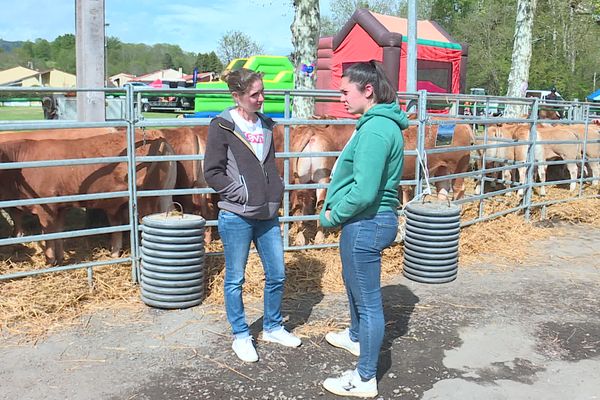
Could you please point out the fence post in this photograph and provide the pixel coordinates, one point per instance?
(531, 159)
(421, 155)
(286, 171)
(585, 113)
(131, 184)
(483, 169)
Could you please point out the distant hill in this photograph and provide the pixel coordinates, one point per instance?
(9, 46)
(133, 58)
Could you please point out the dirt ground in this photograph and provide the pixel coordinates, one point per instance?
(527, 332)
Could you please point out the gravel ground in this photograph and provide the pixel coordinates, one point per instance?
(528, 332)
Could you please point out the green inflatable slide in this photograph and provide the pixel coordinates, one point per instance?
(278, 73)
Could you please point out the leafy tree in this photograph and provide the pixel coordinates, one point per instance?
(26, 51)
(236, 44)
(565, 50)
(66, 41)
(63, 53)
(342, 10)
(136, 59)
(167, 61)
(488, 28)
(114, 55)
(42, 49)
(305, 38)
(328, 27)
(213, 63)
(448, 13)
(208, 62)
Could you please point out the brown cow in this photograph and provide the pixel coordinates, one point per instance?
(551, 151)
(543, 152)
(304, 170)
(333, 137)
(548, 114)
(16, 214)
(500, 134)
(592, 148)
(439, 164)
(82, 179)
(191, 141)
(183, 140)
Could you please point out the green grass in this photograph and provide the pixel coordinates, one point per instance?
(160, 114)
(36, 113)
(21, 113)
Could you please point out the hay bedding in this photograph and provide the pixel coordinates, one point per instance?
(35, 306)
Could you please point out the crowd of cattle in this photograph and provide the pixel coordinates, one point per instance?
(550, 136)
(30, 183)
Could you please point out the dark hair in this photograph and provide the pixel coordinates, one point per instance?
(371, 72)
(241, 79)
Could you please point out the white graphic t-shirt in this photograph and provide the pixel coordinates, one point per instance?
(253, 132)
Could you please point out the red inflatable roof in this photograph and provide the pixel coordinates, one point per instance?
(441, 62)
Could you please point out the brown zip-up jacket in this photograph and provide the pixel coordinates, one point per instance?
(248, 186)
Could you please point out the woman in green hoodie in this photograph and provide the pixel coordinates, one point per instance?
(362, 198)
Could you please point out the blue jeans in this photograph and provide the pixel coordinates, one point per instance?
(361, 244)
(236, 234)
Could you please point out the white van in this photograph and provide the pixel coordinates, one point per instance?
(541, 94)
(478, 108)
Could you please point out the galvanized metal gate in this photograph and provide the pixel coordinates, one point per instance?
(425, 102)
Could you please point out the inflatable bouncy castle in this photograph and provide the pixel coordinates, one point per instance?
(441, 62)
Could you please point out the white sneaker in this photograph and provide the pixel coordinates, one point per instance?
(282, 337)
(342, 340)
(244, 349)
(350, 384)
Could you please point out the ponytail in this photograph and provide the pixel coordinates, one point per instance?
(372, 73)
(241, 79)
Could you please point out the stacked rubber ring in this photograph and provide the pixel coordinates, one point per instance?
(431, 242)
(172, 273)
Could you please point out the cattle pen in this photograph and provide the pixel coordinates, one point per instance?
(487, 196)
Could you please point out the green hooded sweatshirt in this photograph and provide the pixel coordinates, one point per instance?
(368, 171)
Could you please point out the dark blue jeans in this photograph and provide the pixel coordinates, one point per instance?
(361, 244)
(236, 234)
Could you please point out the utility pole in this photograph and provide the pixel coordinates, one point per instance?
(106, 25)
(89, 43)
(411, 59)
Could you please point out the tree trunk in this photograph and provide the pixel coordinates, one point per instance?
(305, 38)
(521, 57)
(572, 48)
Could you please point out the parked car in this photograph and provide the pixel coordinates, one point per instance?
(134, 83)
(478, 108)
(541, 94)
(159, 102)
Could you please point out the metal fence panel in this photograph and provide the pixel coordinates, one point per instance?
(129, 117)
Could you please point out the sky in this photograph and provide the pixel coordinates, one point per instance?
(194, 25)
